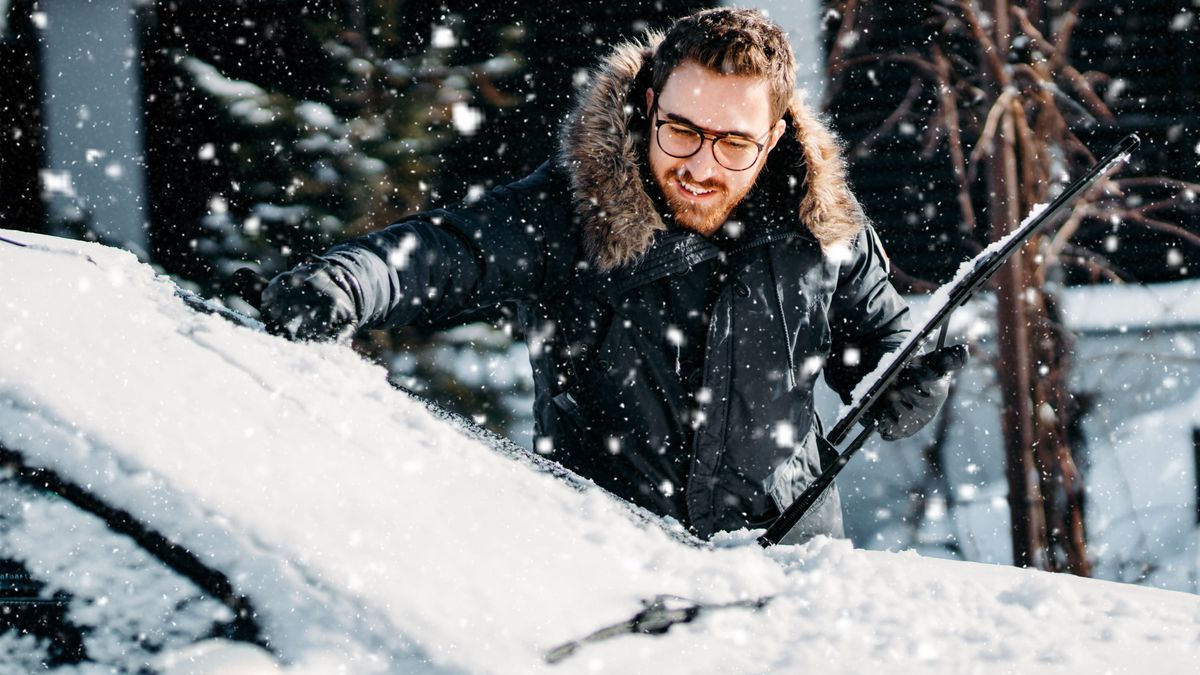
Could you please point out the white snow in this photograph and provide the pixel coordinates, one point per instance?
(465, 118)
(211, 80)
(106, 577)
(318, 116)
(443, 38)
(369, 531)
(1134, 305)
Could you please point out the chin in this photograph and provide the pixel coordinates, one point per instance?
(704, 219)
(705, 222)
(704, 227)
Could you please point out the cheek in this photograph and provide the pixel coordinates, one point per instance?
(738, 182)
(659, 161)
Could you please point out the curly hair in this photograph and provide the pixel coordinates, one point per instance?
(731, 41)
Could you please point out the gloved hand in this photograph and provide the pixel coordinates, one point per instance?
(917, 393)
(312, 301)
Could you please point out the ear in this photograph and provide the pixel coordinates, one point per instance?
(776, 134)
(649, 99)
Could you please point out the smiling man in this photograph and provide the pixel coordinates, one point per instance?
(685, 268)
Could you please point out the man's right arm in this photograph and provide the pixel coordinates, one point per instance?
(511, 244)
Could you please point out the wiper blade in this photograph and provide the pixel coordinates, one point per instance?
(657, 618)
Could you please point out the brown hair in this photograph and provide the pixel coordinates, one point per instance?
(732, 42)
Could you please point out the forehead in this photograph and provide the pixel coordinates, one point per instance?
(717, 102)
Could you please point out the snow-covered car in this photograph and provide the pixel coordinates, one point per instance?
(182, 492)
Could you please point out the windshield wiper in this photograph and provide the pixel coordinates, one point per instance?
(657, 618)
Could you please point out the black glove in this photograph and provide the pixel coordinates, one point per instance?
(917, 393)
(313, 301)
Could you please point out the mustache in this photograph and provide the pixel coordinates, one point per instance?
(685, 175)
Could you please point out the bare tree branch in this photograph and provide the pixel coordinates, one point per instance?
(834, 63)
(989, 54)
(948, 116)
(901, 112)
(1158, 181)
(1062, 237)
(1069, 73)
(1062, 41)
(1165, 227)
(923, 65)
(984, 145)
(1099, 265)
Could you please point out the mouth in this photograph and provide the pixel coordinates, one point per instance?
(692, 191)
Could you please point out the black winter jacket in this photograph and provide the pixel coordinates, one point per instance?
(581, 249)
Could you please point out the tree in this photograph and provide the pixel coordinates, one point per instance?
(991, 86)
(304, 173)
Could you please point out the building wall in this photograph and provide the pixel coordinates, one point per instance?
(20, 125)
(91, 81)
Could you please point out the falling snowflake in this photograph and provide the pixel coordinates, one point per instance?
(57, 182)
(465, 118)
(851, 357)
(399, 256)
(443, 38)
(785, 434)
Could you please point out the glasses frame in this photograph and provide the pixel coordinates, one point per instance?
(705, 135)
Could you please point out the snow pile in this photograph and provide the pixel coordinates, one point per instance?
(366, 530)
(1143, 497)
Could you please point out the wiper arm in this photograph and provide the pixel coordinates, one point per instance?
(657, 618)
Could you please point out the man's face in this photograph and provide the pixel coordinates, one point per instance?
(700, 191)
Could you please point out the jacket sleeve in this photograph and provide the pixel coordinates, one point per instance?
(867, 316)
(507, 245)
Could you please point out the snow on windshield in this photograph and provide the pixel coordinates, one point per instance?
(369, 530)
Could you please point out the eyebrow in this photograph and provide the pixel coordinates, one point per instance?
(680, 118)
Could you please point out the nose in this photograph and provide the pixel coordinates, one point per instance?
(702, 165)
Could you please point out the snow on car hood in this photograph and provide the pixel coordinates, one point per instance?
(368, 530)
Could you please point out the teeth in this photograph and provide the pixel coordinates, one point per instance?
(693, 189)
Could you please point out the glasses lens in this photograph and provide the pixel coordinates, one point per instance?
(735, 154)
(679, 141)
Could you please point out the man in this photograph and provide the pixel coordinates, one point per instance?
(684, 269)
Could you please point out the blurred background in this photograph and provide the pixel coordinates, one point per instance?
(209, 135)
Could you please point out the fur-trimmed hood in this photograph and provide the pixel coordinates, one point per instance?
(600, 148)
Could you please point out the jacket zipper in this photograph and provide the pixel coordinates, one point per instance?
(787, 335)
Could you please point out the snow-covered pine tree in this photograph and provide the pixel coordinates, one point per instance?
(306, 173)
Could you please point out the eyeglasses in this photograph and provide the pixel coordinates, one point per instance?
(735, 152)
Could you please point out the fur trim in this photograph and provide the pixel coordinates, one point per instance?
(599, 148)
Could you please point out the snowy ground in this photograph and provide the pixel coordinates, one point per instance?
(370, 532)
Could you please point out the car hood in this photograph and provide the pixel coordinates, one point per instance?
(369, 529)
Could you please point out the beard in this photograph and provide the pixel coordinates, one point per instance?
(704, 217)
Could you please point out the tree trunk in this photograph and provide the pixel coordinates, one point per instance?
(1028, 527)
(1018, 131)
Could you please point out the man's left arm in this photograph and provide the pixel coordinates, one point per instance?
(867, 316)
(868, 319)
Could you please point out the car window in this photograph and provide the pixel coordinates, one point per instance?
(75, 592)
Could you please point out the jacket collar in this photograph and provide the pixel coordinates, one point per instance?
(601, 147)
